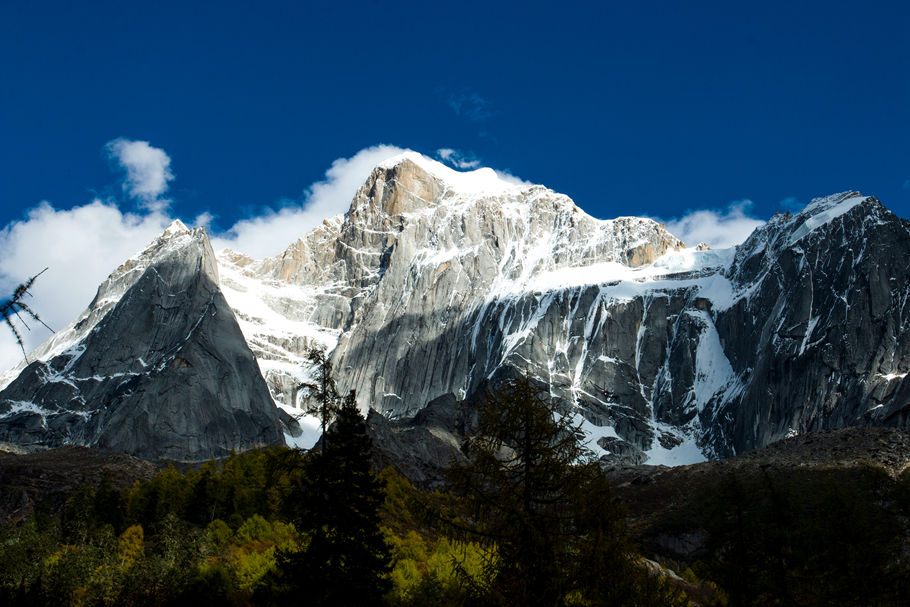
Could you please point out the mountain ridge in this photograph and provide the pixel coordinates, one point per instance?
(435, 282)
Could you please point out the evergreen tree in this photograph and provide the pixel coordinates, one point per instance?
(346, 561)
(537, 497)
(323, 391)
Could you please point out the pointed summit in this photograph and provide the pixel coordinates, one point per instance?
(822, 211)
(479, 181)
(176, 227)
(403, 184)
(156, 366)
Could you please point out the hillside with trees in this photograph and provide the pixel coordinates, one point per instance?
(527, 518)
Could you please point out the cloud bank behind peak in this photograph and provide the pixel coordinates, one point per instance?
(719, 228)
(269, 233)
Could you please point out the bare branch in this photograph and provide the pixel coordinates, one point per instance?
(34, 316)
(18, 337)
(14, 305)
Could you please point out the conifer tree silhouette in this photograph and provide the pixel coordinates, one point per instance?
(14, 306)
(323, 391)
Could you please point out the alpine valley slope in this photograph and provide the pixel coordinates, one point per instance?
(436, 281)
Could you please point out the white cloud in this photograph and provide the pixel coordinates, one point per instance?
(83, 245)
(148, 171)
(204, 220)
(458, 159)
(719, 228)
(80, 247)
(273, 231)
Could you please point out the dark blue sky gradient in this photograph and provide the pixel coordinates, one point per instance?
(630, 108)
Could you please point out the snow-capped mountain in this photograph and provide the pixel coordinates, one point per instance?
(436, 281)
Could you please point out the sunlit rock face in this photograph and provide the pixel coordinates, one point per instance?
(436, 282)
(421, 287)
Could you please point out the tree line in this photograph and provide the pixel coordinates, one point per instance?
(528, 519)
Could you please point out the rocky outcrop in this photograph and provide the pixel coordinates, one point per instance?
(823, 338)
(165, 373)
(397, 286)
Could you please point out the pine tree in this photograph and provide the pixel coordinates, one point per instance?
(346, 561)
(323, 391)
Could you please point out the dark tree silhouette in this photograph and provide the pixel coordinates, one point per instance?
(538, 499)
(14, 306)
(346, 560)
(323, 391)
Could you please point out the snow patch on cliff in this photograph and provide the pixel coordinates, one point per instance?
(685, 453)
(713, 372)
(310, 426)
(643, 278)
(823, 210)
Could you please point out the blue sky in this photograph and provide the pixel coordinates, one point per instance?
(633, 108)
(630, 108)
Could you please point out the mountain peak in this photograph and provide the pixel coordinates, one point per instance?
(176, 227)
(479, 181)
(843, 202)
(822, 211)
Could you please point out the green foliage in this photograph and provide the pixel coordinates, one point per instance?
(256, 482)
(130, 545)
(171, 541)
(535, 495)
(251, 553)
(438, 570)
(23, 550)
(219, 534)
(252, 529)
(278, 526)
(213, 585)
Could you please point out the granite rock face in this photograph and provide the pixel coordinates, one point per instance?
(163, 373)
(431, 284)
(418, 261)
(435, 283)
(823, 338)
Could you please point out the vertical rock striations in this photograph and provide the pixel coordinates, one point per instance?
(821, 332)
(435, 283)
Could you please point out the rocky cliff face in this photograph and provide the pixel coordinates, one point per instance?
(436, 282)
(819, 334)
(410, 287)
(158, 367)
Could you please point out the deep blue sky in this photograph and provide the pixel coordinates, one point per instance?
(630, 108)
